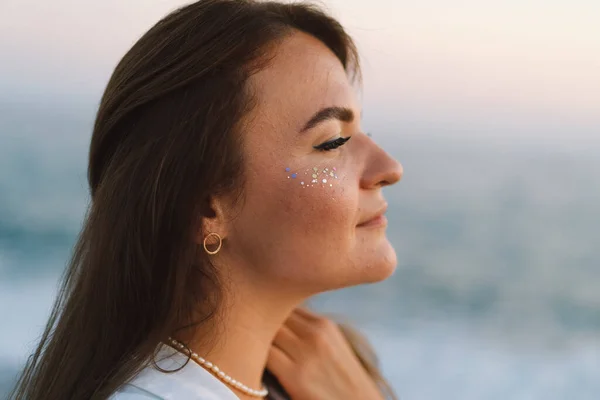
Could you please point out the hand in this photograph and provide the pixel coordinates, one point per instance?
(313, 361)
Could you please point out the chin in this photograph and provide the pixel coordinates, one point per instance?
(383, 268)
(382, 262)
(377, 268)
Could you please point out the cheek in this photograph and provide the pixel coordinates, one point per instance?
(320, 176)
(318, 196)
(295, 226)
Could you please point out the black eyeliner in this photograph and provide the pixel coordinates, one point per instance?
(332, 144)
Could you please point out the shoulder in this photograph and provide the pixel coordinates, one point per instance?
(133, 392)
(184, 380)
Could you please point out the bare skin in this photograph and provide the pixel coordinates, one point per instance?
(286, 241)
(313, 360)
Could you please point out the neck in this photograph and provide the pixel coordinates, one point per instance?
(240, 337)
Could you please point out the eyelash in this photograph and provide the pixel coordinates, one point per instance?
(332, 144)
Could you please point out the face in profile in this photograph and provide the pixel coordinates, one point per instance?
(311, 215)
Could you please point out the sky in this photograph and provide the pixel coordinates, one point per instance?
(525, 70)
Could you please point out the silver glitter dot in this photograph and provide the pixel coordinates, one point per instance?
(315, 169)
(302, 183)
(314, 175)
(330, 185)
(324, 180)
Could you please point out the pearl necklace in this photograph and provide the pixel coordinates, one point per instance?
(218, 373)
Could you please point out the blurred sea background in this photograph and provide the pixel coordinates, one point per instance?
(496, 221)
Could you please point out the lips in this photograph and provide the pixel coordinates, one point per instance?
(375, 219)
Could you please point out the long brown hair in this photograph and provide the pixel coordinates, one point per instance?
(166, 138)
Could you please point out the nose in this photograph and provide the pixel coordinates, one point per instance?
(381, 169)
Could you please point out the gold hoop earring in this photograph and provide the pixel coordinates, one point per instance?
(218, 247)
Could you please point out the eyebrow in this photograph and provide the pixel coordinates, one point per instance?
(340, 113)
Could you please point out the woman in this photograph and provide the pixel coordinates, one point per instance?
(230, 182)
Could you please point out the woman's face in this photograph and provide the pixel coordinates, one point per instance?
(310, 219)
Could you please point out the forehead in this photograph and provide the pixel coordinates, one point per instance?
(303, 77)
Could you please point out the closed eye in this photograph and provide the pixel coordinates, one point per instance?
(332, 144)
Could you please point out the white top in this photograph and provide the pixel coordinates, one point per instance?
(191, 382)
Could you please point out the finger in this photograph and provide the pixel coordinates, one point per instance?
(288, 342)
(313, 328)
(299, 325)
(278, 362)
(307, 314)
(316, 321)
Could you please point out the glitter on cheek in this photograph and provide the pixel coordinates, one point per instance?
(314, 172)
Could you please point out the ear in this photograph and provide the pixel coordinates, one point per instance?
(214, 218)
